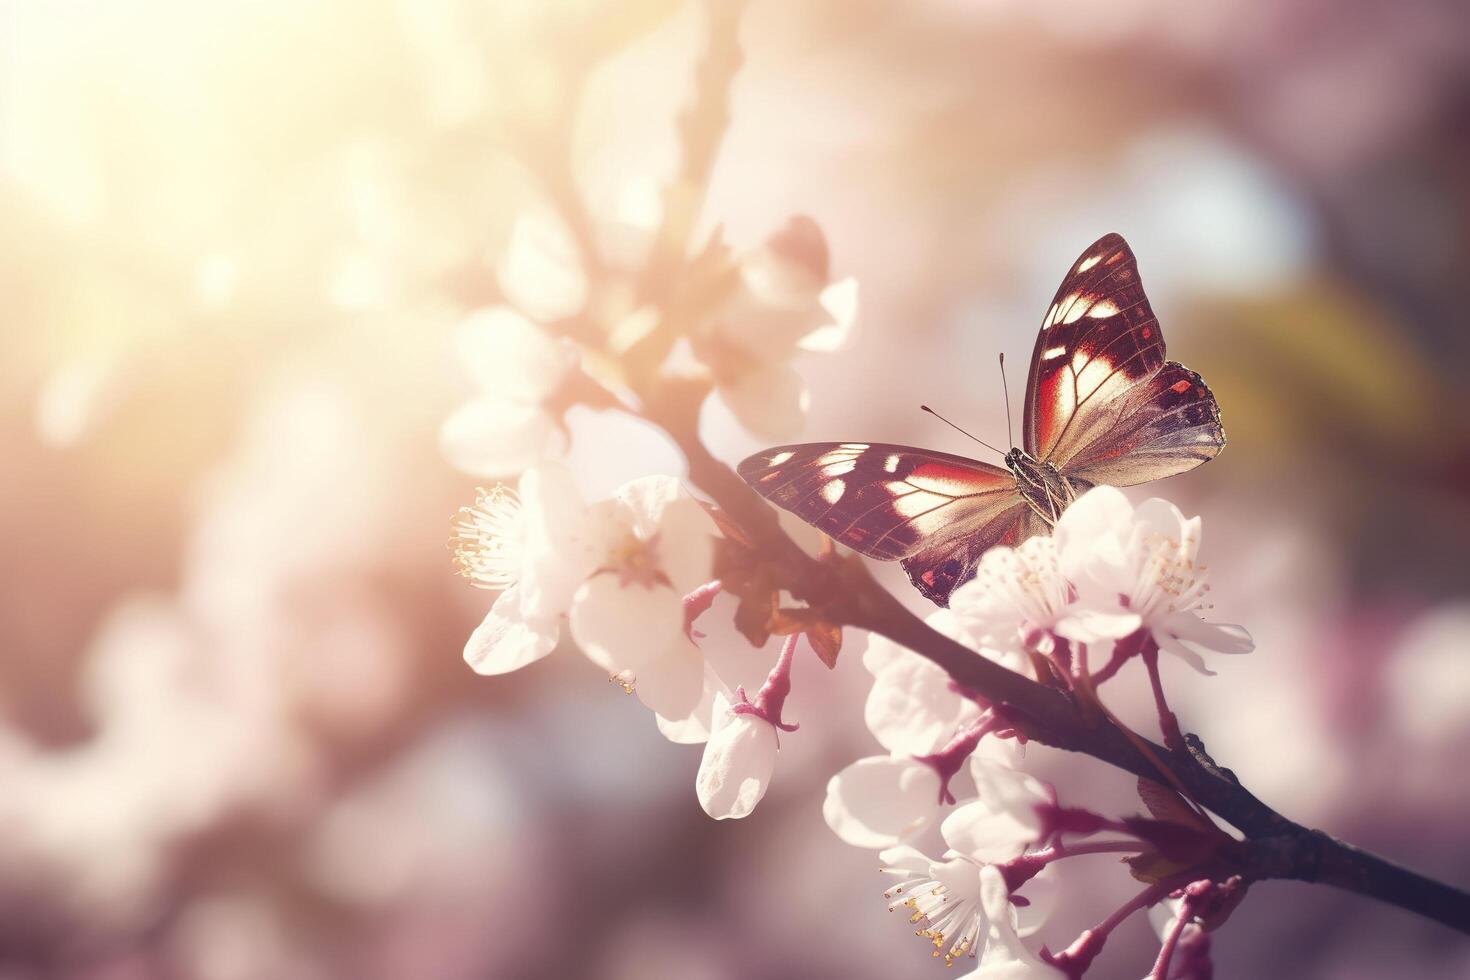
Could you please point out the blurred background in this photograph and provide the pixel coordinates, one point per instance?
(237, 738)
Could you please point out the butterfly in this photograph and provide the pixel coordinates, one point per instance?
(1102, 406)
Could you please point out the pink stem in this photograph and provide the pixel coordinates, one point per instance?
(1171, 941)
(948, 760)
(771, 698)
(1075, 959)
(1123, 650)
(1168, 722)
(696, 604)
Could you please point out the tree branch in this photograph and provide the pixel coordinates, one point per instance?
(1274, 846)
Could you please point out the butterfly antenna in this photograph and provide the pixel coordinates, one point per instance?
(926, 408)
(1006, 388)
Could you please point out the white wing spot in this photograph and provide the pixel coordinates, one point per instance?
(1074, 308)
(914, 504)
(891, 463)
(833, 490)
(1051, 317)
(1088, 263)
(1105, 308)
(779, 458)
(1052, 352)
(843, 468)
(859, 446)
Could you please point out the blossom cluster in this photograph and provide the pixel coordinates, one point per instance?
(1112, 581)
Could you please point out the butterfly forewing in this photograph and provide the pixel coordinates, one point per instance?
(893, 502)
(1102, 404)
(1099, 339)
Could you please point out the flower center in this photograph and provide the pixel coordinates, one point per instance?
(636, 561)
(945, 898)
(1171, 580)
(487, 539)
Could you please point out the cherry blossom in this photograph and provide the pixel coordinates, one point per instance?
(738, 761)
(615, 571)
(1137, 569)
(518, 370)
(740, 755)
(947, 894)
(1005, 957)
(784, 301)
(915, 712)
(1016, 597)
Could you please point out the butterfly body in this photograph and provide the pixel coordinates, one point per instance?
(1102, 406)
(1046, 490)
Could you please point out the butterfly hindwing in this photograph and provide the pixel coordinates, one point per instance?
(892, 502)
(1167, 425)
(1102, 404)
(937, 570)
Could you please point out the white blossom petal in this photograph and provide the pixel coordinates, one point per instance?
(671, 683)
(540, 271)
(492, 437)
(510, 358)
(840, 301)
(913, 708)
(506, 641)
(694, 728)
(622, 627)
(1002, 822)
(879, 801)
(565, 540)
(770, 402)
(1095, 625)
(738, 761)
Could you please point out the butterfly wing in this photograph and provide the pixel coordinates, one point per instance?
(935, 512)
(1102, 404)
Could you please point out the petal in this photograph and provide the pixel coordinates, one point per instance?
(491, 437)
(1091, 533)
(978, 832)
(509, 357)
(1201, 636)
(1163, 518)
(646, 499)
(540, 271)
(1042, 893)
(879, 801)
(905, 858)
(737, 764)
(671, 684)
(770, 402)
(1002, 822)
(840, 301)
(628, 627)
(881, 652)
(565, 540)
(686, 545)
(912, 708)
(506, 641)
(694, 728)
(1093, 624)
(661, 509)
